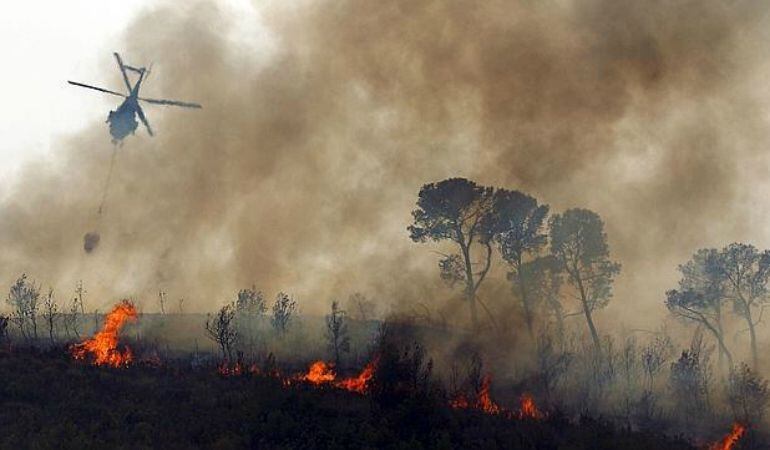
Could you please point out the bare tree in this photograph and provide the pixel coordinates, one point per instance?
(23, 299)
(71, 318)
(80, 292)
(283, 309)
(221, 329)
(654, 357)
(337, 332)
(162, 301)
(50, 313)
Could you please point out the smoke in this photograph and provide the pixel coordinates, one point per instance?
(319, 128)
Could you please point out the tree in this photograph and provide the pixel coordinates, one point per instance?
(220, 328)
(3, 328)
(283, 308)
(744, 272)
(695, 306)
(689, 380)
(162, 302)
(541, 280)
(579, 245)
(337, 332)
(654, 356)
(748, 394)
(700, 297)
(71, 318)
(250, 302)
(519, 233)
(23, 299)
(50, 313)
(80, 292)
(460, 211)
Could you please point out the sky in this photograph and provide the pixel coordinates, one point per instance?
(303, 168)
(44, 43)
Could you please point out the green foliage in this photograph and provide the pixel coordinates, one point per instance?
(450, 208)
(579, 244)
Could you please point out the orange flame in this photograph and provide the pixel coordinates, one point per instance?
(319, 373)
(528, 409)
(483, 401)
(359, 383)
(729, 441)
(226, 370)
(460, 402)
(103, 347)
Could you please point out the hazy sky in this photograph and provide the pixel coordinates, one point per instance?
(43, 43)
(303, 166)
(46, 42)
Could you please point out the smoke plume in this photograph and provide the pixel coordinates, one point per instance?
(301, 171)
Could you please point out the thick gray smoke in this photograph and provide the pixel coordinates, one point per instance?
(302, 169)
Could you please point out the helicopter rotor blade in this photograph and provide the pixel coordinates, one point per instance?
(171, 103)
(123, 71)
(143, 118)
(88, 86)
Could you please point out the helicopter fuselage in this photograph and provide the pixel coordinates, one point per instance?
(123, 120)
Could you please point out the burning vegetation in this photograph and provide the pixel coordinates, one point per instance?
(102, 348)
(398, 376)
(731, 440)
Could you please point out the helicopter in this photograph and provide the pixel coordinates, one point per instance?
(123, 120)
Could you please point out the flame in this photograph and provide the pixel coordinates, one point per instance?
(319, 373)
(483, 400)
(729, 441)
(226, 370)
(528, 409)
(103, 347)
(460, 402)
(359, 383)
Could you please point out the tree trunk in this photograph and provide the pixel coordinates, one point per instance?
(592, 327)
(753, 334)
(721, 354)
(720, 341)
(587, 313)
(524, 301)
(34, 327)
(470, 291)
(728, 355)
(474, 313)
